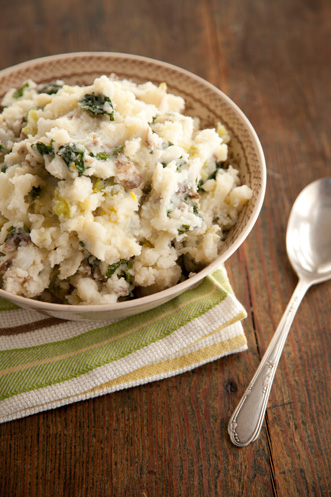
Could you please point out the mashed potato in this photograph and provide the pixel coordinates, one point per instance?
(109, 192)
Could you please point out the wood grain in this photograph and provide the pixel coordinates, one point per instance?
(169, 438)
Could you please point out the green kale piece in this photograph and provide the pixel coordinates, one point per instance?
(19, 236)
(166, 144)
(19, 92)
(153, 120)
(104, 156)
(113, 267)
(218, 166)
(171, 208)
(95, 105)
(126, 274)
(195, 209)
(45, 149)
(184, 229)
(117, 150)
(10, 230)
(200, 185)
(2, 152)
(50, 89)
(73, 157)
(180, 163)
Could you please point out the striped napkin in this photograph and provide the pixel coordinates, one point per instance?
(46, 362)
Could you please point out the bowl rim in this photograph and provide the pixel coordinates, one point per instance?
(199, 276)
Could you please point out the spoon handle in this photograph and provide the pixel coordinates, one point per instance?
(246, 422)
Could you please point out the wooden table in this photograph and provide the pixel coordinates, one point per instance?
(169, 438)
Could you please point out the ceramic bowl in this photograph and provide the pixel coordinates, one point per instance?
(202, 100)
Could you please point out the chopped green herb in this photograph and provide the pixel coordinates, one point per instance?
(50, 89)
(18, 233)
(126, 274)
(93, 262)
(10, 230)
(189, 200)
(45, 149)
(218, 165)
(180, 163)
(95, 104)
(153, 120)
(167, 144)
(104, 156)
(98, 185)
(113, 267)
(195, 208)
(118, 150)
(184, 229)
(73, 157)
(164, 164)
(2, 153)
(200, 185)
(19, 92)
(4, 169)
(171, 208)
(127, 297)
(82, 244)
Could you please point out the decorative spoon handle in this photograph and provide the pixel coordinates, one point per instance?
(246, 422)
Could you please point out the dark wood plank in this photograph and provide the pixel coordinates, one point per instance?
(169, 438)
(285, 90)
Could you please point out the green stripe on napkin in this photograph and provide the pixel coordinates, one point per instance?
(173, 328)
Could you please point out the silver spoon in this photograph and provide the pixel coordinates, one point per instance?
(308, 244)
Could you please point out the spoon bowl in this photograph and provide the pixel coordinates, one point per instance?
(308, 240)
(308, 244)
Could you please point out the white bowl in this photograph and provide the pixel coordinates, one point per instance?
(202, 100)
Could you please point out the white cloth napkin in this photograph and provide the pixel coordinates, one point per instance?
(46, 363)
